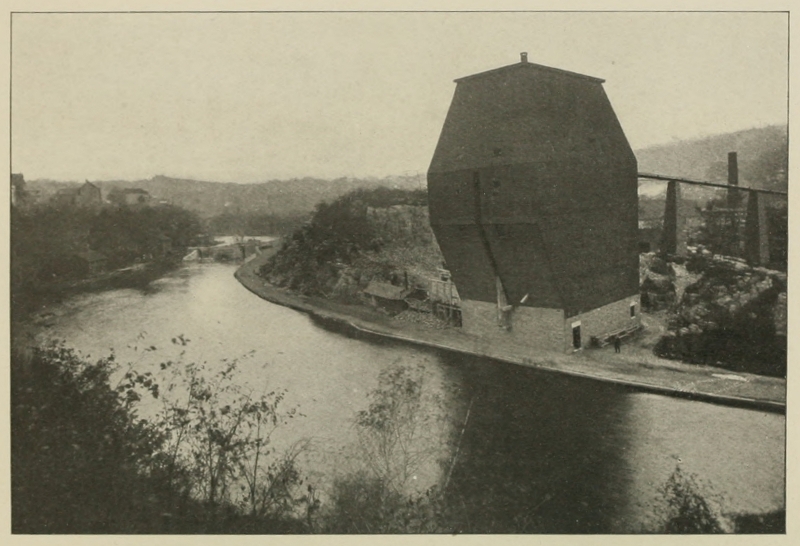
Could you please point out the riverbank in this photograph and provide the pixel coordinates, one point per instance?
(633, 368)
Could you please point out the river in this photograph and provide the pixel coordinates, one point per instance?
(562, 453)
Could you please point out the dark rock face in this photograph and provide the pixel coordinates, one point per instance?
(656, 283)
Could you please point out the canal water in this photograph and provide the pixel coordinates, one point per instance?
(518, 448)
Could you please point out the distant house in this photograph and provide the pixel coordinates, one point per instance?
(129, 197)
(94, 262)
(86, 196)
(386, 296)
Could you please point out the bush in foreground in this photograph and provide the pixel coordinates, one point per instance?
(84, 461)
(78, 450)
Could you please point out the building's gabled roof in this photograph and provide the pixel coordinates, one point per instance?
(525, 65)
(385, 290)
(76, 189)
(525, 113)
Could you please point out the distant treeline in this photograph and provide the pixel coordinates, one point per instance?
(282, 198)
(52, 245)
(254, 223)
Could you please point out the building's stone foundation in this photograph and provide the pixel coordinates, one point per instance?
(547, 329)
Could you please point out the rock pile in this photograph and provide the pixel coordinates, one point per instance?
(656, 282)
(733, 315)
(730, 291)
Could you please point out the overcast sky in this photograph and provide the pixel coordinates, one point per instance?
(251, 97)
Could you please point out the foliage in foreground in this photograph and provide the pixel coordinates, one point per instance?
(688, 511)
(84, 461)
(78, 452)
(399, 434)
(692, 507)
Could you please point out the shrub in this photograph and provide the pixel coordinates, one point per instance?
(218, 432)
(688, 511)
(84, 461)
(80, 453)
(392, 448)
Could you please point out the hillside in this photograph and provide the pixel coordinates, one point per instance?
(365, 235)
(762, 156)
(208, 199)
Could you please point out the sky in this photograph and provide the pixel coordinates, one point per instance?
(249, 97)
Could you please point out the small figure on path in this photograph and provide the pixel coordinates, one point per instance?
(617, 344)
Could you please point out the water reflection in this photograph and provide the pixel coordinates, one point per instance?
(540, 452)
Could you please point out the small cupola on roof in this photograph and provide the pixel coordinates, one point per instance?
(533, 192)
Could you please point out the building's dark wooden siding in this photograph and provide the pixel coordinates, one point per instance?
(557, 191)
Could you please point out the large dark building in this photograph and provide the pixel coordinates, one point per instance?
(533, 200)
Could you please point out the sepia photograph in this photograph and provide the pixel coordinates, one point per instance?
(311, 271)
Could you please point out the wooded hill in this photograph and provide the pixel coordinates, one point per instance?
(210, 199)
(762, 156)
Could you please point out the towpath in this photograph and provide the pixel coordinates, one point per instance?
(635, 368)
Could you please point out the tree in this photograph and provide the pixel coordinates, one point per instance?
(398, 433)
(84, 461)
(79, 451)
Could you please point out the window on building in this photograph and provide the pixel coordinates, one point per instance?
(633, 310)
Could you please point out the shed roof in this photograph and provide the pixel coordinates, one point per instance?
(92, 256)
(385, 290)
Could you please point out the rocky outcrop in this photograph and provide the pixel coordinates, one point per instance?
(733, 316)
(729, 290)
(656, 282)
(357, 239)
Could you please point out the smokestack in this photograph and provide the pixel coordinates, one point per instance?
(523, 57)
(734, 198)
